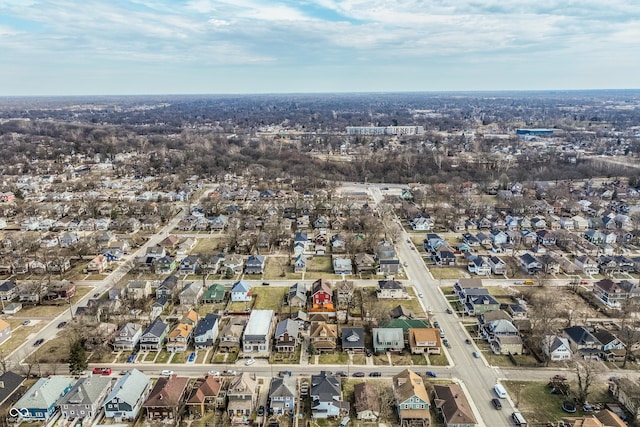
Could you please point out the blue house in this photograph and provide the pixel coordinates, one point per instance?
(39, 403)
(282, 395)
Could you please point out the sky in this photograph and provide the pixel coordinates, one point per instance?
(119, 47)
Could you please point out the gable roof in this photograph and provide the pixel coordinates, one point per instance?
(167, 392)
(86, 390)
(453, 403)
(288, 326)
(321, 285)
(156, 328)
(352, 338)
(129, 387)
(282, 387)
(203, 388)
(241, 286)
(11, 381)
(408, 384)
(206, 324)
(44, 393)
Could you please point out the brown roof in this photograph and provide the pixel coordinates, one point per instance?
(365, 396)
(609, 418)
(454, 404)
(323, 330)
(167, 392)
(203, 388)
(321, 285)
(407, 384)
(424, 334)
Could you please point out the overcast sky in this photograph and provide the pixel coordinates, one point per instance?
(85, 47)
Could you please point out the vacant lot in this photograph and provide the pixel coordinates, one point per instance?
(447, 273)
(370, 302)
(269, 298)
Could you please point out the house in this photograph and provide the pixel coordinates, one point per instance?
(322, 293)
(401, 312)
(242, 395)
(424, 340)
(326, 397)
(582, 342)
(189, 265)
(353, 340)
(180, 336)
(191, 293)
(366, 401)
(254, 264)
(127, 337)
(365, 263)
(98, 264)
(11, 382)
(204, 396)
(342, 265)
(479, 301)
(556, 348)
(627, 393)
(39, 402)
(451, 402)
(546, 237)
(154, 336)
(479, 266)
(497, 265)
(84, 401)
(387, 339)
(421, 224)
(241, 291)
(12, 308)
(530, 264)
(5, 331)
(232, 333)
(300, 264)
(8, 290)
(165, 400)
(612, 348)
(297, 296)
(411, 398)
(168, 287)
(610, 293)
(286, 335)
(444, 255)
(215, 293)
(282, 393)
(323, 337)
(257, 334)
(127, 396)
(391, 289)
(498, 237)
(235, 263)
(206, 331)
(165, 265)
(587, 265)
(138, 289)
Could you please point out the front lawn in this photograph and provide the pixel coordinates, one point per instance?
(269, 298)
(447, 273)
(333, 359)
(438, 359)
(285, 358)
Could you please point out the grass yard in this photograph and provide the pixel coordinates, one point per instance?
(380, 359)
(207, 245)
(446, 273)
(369, 299)
(163, 357)
(319, 264)
(400, 359)
(438, 359)
(269, 298)
(180, 357)
(240, 306)
(418, 359)
(219, 358)
(333, 359)
(285, 358)
(359, 359)
(151, 356)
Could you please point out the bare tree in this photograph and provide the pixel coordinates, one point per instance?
(585, 372)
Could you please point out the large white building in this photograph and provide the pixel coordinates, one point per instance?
(385, 130)
(257, 334)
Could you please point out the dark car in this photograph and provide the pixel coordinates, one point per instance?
(468, 341)
(449, 311)
(38, 342)
(358, 374)
(496, 403)
(375, 374)
(261, 410)
(475, 354)
(62, 325)
(368, 353)
(265, 283)
(341, 374)
(431, 374)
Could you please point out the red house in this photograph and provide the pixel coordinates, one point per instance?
(321, 292)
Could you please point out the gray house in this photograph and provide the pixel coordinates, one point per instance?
(127, 337)
(168, 287)
(282, 395)
(85, 398)
(254, 264)
(128, 395)
(387, 339)
(286, 335)
(191, 294)
(206, 332)
(298, 295)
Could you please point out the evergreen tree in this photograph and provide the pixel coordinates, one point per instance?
(77, 358)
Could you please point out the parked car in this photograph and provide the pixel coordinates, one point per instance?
(358, 374)
(25, 322)
(284, 373)
(214, 373)
(341, 374)
(38, 342)
(468, 341)
(375, 374)
(62, 325)
(166, 372)
(449, 311)
(431, 374)
(368, 353)
(192, 357)
(249, 361)
(475, 354)
(496, 403)
(420, 295)
(261, 410)
(131, 358)
(265, 283)
(230, 372)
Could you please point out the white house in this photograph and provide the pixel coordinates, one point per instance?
(556, 348)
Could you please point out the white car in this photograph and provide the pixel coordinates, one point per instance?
(420, 294)
(214, 373)
(166, 372)
(250, 361)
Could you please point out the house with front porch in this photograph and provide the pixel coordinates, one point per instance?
(257, 335)
(127, 337)
(242, 396)
(411, 399)
(127, 396)
(326, 396)
(387, 339)
(391, 289)
(286, 336)
(323, 337)
(154, 337)
(425, 341)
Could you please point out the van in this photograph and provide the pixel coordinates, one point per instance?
(518, 419)
(501, 392)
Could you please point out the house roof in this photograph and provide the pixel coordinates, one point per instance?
(383, 335)
(401, 311)
(424, 335)
(453, 403)
(352, 338)
(129, 387)
(366, 397)
(259, 323)
(321, 285)
(610, 419)
(10, 381)
(323, 330)
(408, 384)
(241, 286)
(86, 390)
(579, 335)
(235, 327)
(44, 393)
(390, 284)
(156, 328)
(603, 336)
(207, 323)
(282, 387)
(325, 386)
(167, 392)
(288, 326)
(204, 388)
(243, 383)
